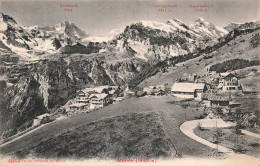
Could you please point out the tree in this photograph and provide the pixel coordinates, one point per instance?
(238, 132)
(238, 118)
(219, 112)
(185, 105)
(217, 136)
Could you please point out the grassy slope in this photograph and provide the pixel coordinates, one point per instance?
(249, 144)
(238, 48)
(172, 117)
(127, 136)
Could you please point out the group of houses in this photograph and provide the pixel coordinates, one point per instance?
(91, 98)
(156, 90)
(214, 94)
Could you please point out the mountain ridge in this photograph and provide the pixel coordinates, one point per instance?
(49, 39)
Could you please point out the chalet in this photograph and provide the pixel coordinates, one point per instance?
(155, 90)
(214, 99)
(101, 89)
(219, 100)
(101, 100)
(115, 91)
(38, 119)
(82, 96)
(234, 104)
(249, 89)
(228, 82)
(114, 87)
(188, 90)
(114, 94)
(149, 90)
(78, 107)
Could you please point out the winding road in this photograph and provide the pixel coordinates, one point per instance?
(188, 127)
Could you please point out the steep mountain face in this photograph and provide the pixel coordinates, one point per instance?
(239, 26)
(31, 41)
(65, 32)
(249, 25)
(161, 40)
(208, 30)
(13, 36)
(232, 26)
(23, 102)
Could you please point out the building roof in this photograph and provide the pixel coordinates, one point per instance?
(112, 91)
(218, 98)
(187, 86)
(100, 96)
(100, 89)
(114, 87)
(227, 75)
(224, 74)
(246, 88)
(215, 97)
(86, 90)
(77, 105)
(42, 116)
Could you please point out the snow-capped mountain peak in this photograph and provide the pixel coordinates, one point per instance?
(201, 22)
(203, 28)
(156, 25)
(110, 36)
(170, 25)
(3, 25)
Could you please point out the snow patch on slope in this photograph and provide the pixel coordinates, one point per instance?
(160, 26)
(221, 30)
(110, 36)
(3, 25)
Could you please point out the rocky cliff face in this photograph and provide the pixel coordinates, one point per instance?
(35, 88)
(21, 103)
(13, 35)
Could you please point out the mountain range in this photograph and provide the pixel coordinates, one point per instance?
(145, 39)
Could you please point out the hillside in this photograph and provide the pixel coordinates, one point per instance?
(128, 119)
(127, 136)
(241, 47)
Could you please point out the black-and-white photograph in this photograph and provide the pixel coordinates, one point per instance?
(129, 82)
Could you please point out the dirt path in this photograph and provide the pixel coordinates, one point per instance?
(27, 133)
(250, 134)
(188, 127)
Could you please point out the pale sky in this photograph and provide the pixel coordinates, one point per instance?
(100, 17)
